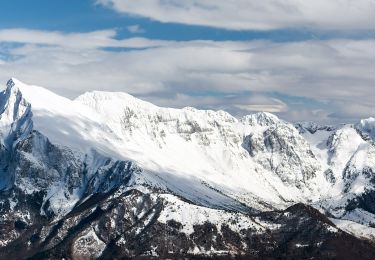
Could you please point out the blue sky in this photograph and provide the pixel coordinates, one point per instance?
(84, 16)
(297, 59)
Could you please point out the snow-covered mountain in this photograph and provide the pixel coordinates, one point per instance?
(108, 175)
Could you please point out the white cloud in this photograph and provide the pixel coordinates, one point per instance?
(87, 40)
(136, 28)
(336, 74)
(254, 14)
(237, 104)
(264, 104)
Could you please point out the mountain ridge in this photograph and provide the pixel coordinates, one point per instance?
(70, 155)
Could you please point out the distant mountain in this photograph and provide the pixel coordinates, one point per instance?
(108, 176)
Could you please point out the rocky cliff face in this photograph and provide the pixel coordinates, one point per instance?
(110, 176)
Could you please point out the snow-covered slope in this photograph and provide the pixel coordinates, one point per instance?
(182, 148)
(346, 154)
(258, 158)
(68, 152)
(238, 157)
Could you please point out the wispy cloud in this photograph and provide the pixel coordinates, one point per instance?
(336, 73)
(262, 103)
(87, 40)
(255, 14)
(136, 28)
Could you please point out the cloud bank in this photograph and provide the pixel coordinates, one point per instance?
(317, 80)
(254, 14)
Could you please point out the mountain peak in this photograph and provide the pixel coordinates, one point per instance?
(312, 127)
(30, 93)
(15, 118)
(261, 118)
(12, 85)
(11, 82)
(111, 100)
(11, 95)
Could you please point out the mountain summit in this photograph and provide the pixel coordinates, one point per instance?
(109, 175)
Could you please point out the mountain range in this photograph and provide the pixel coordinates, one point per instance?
(109, 176)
